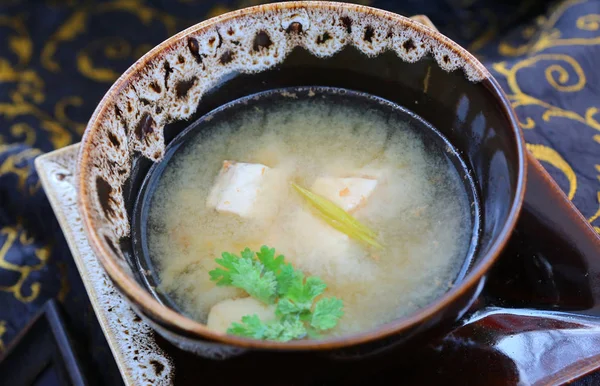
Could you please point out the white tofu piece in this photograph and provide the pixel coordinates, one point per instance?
(236, 188)
(228, 311)
(348, 193)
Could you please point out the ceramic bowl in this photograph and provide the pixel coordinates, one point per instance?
(291, 45)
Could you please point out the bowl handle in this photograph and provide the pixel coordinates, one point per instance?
(547, 284)
(553, 257)
(538, 319)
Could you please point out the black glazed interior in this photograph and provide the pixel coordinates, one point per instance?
(434, 142)
(466, 113)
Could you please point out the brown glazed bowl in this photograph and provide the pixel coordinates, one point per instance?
(287, 45)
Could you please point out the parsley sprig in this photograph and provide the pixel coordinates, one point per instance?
(271, 280)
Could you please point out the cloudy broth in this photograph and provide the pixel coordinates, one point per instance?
(419, 208)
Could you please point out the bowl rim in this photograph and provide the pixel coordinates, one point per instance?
(143, 301)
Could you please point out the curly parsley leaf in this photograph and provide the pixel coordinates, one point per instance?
(287, 277)
(286, 307)
(282, 331)
(247, 274)
(247, 254)
(250, 278)
(251, 327)
(267, 257)
(327, 313)
(285, 273)
(304, 293)
(290, 329)
(269, 279)
(222, 276)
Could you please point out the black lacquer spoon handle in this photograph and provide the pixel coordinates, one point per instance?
(544, 325)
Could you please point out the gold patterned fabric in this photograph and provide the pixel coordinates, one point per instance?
(58, 57)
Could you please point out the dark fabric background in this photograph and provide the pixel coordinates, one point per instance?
(57, 59)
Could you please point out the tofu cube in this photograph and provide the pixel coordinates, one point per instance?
(348, 193)
(228, 311)
(236, 188)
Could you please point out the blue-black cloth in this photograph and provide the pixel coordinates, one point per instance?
(58, 57)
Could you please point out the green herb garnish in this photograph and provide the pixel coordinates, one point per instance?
(246, 273)
(271, 280)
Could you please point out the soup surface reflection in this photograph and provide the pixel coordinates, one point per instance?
(229, 187)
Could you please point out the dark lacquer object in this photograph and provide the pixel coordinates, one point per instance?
(44, 353)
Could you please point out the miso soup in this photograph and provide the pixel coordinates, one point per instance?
(229, 186)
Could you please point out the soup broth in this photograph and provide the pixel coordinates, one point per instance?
(409, 193)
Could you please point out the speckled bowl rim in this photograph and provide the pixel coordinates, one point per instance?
(143, 300)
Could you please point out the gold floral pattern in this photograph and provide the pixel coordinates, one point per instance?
(566, 52)
(2, 332)
(27, 93)
(22, 291)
